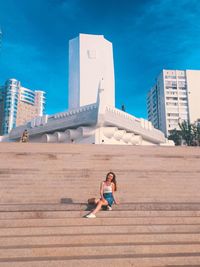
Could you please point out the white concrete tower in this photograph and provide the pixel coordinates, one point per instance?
(90, 64)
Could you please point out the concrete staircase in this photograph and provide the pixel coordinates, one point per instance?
(43, 194)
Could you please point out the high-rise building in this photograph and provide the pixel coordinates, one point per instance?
(18, 105)
(173, 99)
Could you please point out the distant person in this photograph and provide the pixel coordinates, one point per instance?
(107, 190)
(123, 108)
(25, 137)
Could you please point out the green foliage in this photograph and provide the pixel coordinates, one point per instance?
(196, 133)
(176, 137)
(189, 134)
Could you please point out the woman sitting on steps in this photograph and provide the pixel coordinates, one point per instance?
(107, 189)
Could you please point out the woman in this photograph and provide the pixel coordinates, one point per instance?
(107, 189)
(25, 137)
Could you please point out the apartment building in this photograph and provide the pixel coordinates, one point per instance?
(174, 98)
(18, 105)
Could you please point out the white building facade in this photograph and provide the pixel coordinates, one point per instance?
(173, 99)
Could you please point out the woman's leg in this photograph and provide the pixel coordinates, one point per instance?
(99, 205)
(96, 201)
(93, 201)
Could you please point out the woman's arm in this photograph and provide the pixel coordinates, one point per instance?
(101, 191)
(113, 193)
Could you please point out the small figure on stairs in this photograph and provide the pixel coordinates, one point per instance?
(107, 189)
(25, 137)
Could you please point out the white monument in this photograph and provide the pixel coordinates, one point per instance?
(90, 63)
(92, 117)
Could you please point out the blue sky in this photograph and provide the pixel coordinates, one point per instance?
(147, 36)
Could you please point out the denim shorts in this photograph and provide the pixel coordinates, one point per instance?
(109, 198)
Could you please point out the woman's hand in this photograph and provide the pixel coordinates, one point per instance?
(103, 199)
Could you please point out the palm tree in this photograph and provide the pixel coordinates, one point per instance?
(196, 133)
(175, 135)
(187, 132)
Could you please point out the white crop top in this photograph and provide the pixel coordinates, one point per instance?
(107, 188)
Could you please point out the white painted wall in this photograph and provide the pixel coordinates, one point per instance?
(91, 60)
(193, 83)
(4, 138)
(162, 103)
(74, 74)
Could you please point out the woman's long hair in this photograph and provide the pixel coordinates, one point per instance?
(113, 180)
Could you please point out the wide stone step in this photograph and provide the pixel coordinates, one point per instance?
(13, 174)
(84, 239)
(102, 214)
(98, 250)
(98, 221)
(144, 260)
(76, 198)
(92, 229)
(70, 206)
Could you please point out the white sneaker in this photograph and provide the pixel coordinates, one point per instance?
(90, 215)
(109, 207)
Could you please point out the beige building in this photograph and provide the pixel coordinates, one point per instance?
(18, 105)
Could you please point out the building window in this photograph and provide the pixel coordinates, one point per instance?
(91, 54)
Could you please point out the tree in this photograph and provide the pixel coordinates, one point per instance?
(186, 130)
(175, 135)
(189, 133)
(196, 134)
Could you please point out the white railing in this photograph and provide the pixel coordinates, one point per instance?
(73, 111)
